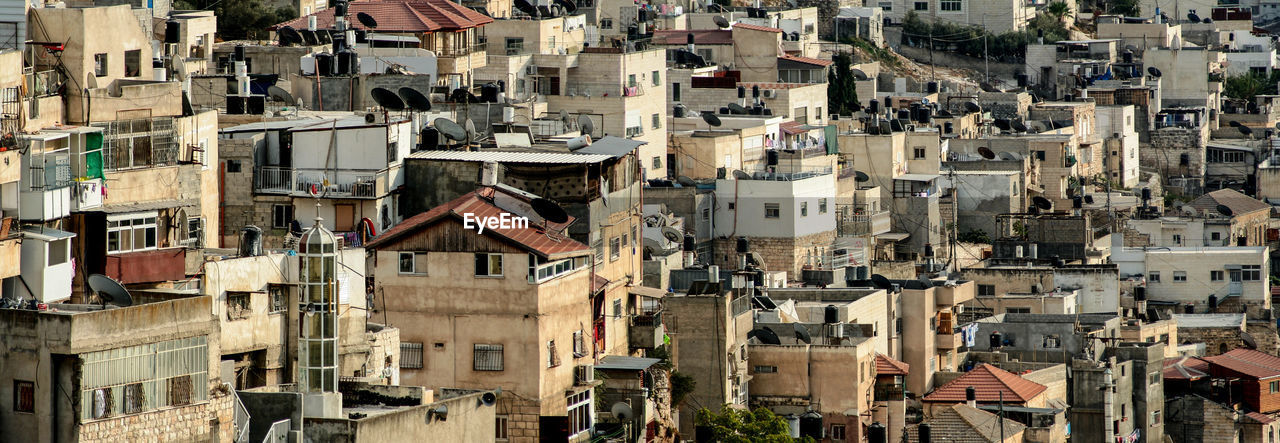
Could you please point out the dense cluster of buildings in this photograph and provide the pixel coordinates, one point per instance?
(600, 220)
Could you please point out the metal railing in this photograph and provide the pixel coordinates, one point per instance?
(889, 392)
(740, 305)
(241, 425)
(278, 432)
(601, 90)
(452, 51)
(326, 183)
(649, 320)
(793, 176)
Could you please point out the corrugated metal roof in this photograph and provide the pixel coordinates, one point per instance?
(273, 125)
(625, 363)
(612, 146)
(125, 208)
(1252, 363)
(511, 157)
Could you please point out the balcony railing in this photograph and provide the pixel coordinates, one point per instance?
(45, 83)
(890, 392)
(462, 51)
(601, 90)
(852, 220)
(325, 183)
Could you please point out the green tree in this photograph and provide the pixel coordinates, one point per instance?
(842, 93)
(1249, 86)
(241, 19)
(681, 386)
(742, 426)
(1061, 10)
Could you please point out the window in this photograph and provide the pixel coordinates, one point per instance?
(553, 357)
(1215, 236)
(917, 152)
(24, 396)
(1179, 276)
(922, 6)
(281, 216)
(579, 344)
(195, 230)
(733, 206)
(804, 209)
(540, 270)
(487, 357)
(145, 377)
(772, 210)
(675, 92)
(238, 307)
(410, 355)
(886, 6)
(131, 232)
(1052, 341)
(1275, 387)
(1177, 239)
(488, 265)
(1155, 417)
(500, 427)
(413, 263)
(58, 252)
(579, 412)
(987, 290)
(1215, 275)
(617, 308)
(949, 5)
(1154, 378)
(657, 122)
(515, 45)
(132, 63)
(657, 78)
(1251, 272)
(1153, 277)
(1017, 310)
(763, 369)
(631, 80)
(706, 214)
(615, 248)
(657, 162)
(100, 65)
(837, 432)
(606, 23)
(233, 165)
(279, 297)
(134, 398)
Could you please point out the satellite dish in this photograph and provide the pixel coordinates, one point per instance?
(289, 36)
(449, 129)
(672, 234)
(1131, 48)
(1225, 210)
(858, 74)
(527, 8)
(861, 177)
(735, 108)
(488, 398)
(741, 175)
(1009, 156)
(986, 153)
(279, 94)
(1234, 124)
(802, 333)
(1002, 124)
(1193, 18)
(1155, 72)
(1208, 20)
(549, 210)
(569, 7)
(765, 335)
(987, 87)
(1187, 210)
(754, 259)
(711, 119)
(386, 99)
(366, 20)
(881, 282)
(972, 107)
(720, 21)
(622, 411)
(414, 99)
(1017, 126)
(109, 290)
(1247, 131)
(470, 127)
(585, 125)
(686, 181)
(1042, 203)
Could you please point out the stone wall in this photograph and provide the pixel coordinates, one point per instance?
(1264, 334)
(1216, 340)
(211, 421)
(1164, 154)
(522, 417)
(779, 254)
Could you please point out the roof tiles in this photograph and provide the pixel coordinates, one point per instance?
(402, 16)
(988, 382)
(1240, 204)
(1248, 362)
(886, 365)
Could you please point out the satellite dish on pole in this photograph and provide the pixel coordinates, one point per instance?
(470, 127)
(1245, 130)
(289, 36)
(881, 282)
(861, 177)
(672, 234)
(986, 153)
(279, 94)
(585, 125)
(449, 129)
(109, 290)
(1017, 126)
(549, 210)
(720, 22)
(741, 175)
(1155, 72)
(972, 107)
(415, 100)
(366, 20)
(386, 99)
(858, 75)
(1042, 203)
(622, 411)
(711, 119)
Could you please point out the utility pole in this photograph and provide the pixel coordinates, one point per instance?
(986, 58)
(1001, 415)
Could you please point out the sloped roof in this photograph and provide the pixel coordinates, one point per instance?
(755, 27)
(612, 146)
(989, 381)
(963, 423)
(806, 60)
(700, 37)
(532, 238)
(886, 365)
(1185, 368)
(1249, 362)
(1260, 417)
(1240, 204)
(402, 16)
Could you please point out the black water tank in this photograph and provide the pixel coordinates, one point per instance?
(1213, 303)
(928, 250)
(876, 433)
(948, 128)
(688, 243)
(1128, 56)
(743, 245)
(250, 241)
(679, 111)
(1022, 80)
(1146, 193)
(1139, 293)
(755, 91)
(172, 31)
(997, 340)
(931, 87)
(873, 107)
(924, 433)
(970, 394)
(340, 8)
(765, 111)
(904, 114)
(324, 64)
(758, 278)
(235, 105)
(724, 110)
(347, 62)
(238, 54)
(489, 93)
(742, 92)
(256, 105)
(771, 157)
(811, 425)
(1077, 202)
(831, 314)
(1189, 309)
(430, 138)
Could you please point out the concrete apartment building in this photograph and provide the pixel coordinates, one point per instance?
(997, 16)
(1118, 130)
(532, 283)
(709, 342)
(1209, 279)
(788, 218)
(1199, 223)
(1096, 287)
(834, 376)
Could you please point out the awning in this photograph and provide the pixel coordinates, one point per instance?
(645, 291)
(625, 363)
(45, 234)
(893, 236)
(125, 208)
(917, 177)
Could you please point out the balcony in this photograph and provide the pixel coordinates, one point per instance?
(461, 59)
(858, 221)
(646, 331)
(890, 392)
(86, 194)
(954, 340)
(585, 89)
(342, 183)
(44, 83)
(45, 203)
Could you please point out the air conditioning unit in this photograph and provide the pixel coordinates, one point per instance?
(584, 375)
(531, 70)
(769, 93)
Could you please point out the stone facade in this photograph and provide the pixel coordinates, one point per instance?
(1216, 340)
(211, 421)
(1164, 154)
(779, 254)
(522, 418)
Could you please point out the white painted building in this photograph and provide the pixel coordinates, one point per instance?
(776, 205)
(1116, 126)
(1191, 275)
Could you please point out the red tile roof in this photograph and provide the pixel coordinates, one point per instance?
(1248, 362)
(755, 27)
(792, 127)
(989, 381)
(886, 365)
(703, 37)
(1185, 368)
(402, 16)
(533, 238)
(1260, 417)
(806, 60)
